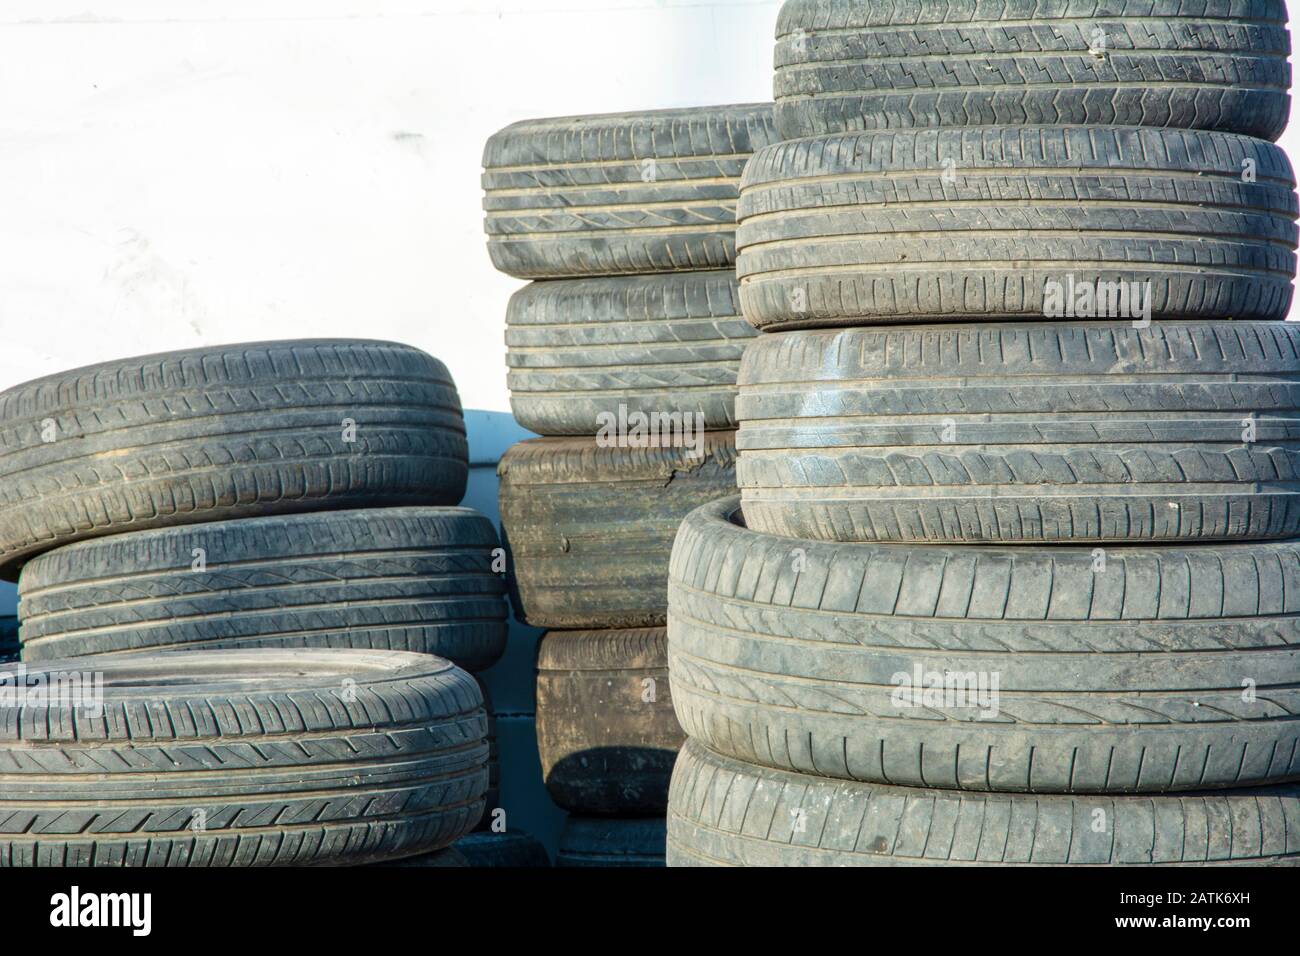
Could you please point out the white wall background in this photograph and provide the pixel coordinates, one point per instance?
(177, 173)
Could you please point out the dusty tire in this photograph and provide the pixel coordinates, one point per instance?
(1026, 433)
(584, 350)
(404, 579)
(1016, 223)
(224, 432)
(606, 732)
(619, 194)
(845, 65)
(726, 813)
(512, 849)
(294, 757)
(600, 842)
(589, 529)
(1054, 669)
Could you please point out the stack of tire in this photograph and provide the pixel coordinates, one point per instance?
(1009, 580)
(623, 353)
(245, 585)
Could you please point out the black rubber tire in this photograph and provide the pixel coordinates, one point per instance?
(1129, 678)
(582, 349)
(606, 732)
(845, 65)
(602, 842)
(1083, 432)
(224, 432)
(512, 849)
(621, 193)
(406, 579)
(450, 857)
(973, 225)
(589, 529)
(726, 813)
(294, 757)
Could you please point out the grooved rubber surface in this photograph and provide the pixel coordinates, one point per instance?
(619, 194)
(1015, 222)
(583, 349)
(589, 529)
(975, 667)
(244, 758)
(407, 579)
(1060, 432)
(599, 842)
(850, 65)
(725, 813)
(224, 432)
(606, 732)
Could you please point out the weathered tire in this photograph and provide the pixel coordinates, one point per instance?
(1129, 669)
(513, 848)
(1028, 433)
(726, 813)
(585, 351)
(846, 65)
(601, 842)
(406, 579)
(292, 756)
(606, 732)
(224, 432)
(1015, 223)
(589, 529)
(619, 194)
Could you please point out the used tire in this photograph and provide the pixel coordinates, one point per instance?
(849, 65)
(1027, 433)
(1003, 222)
(599, 842)
(619, 194)
(513, 848)
(224, 432)
(583, 351)
(408, 579)
(589, 528)
(451, 857)
(726, 813)
(242, 758)
(976, 667)
(606, 732)
(494, 850)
